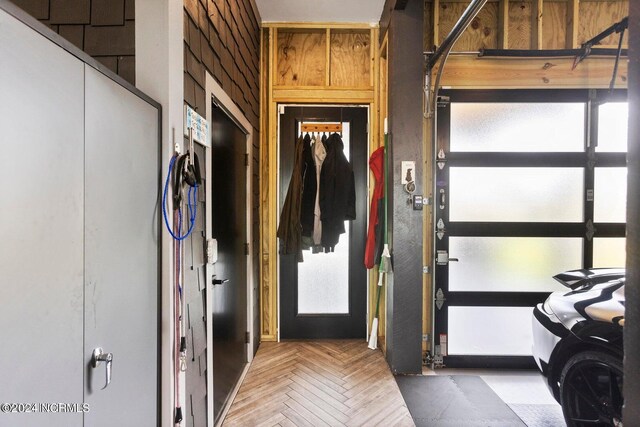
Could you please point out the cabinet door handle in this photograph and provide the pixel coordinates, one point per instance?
(99, 356)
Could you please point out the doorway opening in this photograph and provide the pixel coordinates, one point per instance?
(325, 295)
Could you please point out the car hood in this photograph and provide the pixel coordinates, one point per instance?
(603, 302)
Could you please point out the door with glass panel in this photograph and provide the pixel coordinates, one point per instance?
(325, 295)
(516, 204)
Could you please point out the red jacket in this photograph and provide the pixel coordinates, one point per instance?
(374, 234)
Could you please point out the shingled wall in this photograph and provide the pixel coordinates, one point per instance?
(222, 37)
(102, 28)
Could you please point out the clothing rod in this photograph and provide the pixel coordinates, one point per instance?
(321, 127)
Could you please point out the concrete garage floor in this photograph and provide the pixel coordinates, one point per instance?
(524, 391)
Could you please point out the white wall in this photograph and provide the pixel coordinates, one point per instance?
(159, 73)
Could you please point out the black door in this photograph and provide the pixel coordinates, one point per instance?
(325, 296)
(229, 228)
(514, 206)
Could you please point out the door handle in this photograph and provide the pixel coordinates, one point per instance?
(99, 356)
(219, 281)
(442, 258)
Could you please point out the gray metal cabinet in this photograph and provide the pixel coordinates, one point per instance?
(79, 264)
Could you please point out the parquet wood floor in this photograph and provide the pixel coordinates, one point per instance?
(318, 383)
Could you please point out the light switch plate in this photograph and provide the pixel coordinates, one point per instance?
(212, 251)
(408, 172)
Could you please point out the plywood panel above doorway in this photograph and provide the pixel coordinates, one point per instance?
(350, 58)
(301, 58)
(326, 58)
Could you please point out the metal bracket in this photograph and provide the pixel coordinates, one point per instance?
(591, 230)
(438, 360)
(441, 229)
(443, 198)
(443, 101)
(426, 269)
(440, 299)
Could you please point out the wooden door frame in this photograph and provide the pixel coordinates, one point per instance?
(215, 92)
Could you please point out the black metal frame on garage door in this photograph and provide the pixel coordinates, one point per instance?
(518, 195)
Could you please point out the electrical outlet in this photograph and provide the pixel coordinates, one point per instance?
(417, 202)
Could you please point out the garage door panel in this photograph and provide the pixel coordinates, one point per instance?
(511, 264)
(493, 194)
(504, 331)
(517, 127)
(612, 129)
(610, 195)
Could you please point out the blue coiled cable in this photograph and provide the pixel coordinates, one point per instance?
(192, 212)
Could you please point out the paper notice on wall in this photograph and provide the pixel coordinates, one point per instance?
(198, 124)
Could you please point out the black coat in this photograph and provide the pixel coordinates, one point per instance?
(337, 192)
(308, 188)
(290, 230)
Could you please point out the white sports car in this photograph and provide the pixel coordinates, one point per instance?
(577, 344)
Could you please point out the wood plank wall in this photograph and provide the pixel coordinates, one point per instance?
(319, 63)
(537, 24)
(222, 37)
(103, 29)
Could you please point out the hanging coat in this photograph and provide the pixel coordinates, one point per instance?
(337, 192)
(308, 188)
(319, 154)
(290, 230)
(373, 248)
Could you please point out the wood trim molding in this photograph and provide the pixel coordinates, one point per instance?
(331, 95)
(470, 71)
